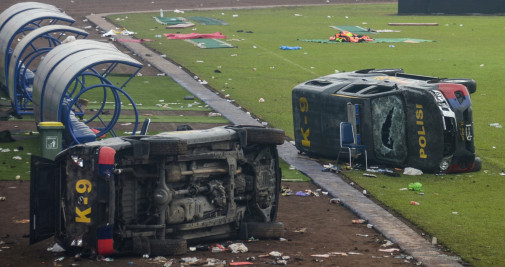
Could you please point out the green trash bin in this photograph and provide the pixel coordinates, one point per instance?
(50, 138)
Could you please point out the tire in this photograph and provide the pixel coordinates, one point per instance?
(166, 146)
(470, 84)
(390, 72)
(266, 230)
(141, 246)
(168, 247)
(477, 164)
(267, 136)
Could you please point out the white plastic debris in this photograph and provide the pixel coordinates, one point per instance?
(275, 254)
(261, 100)
(387, 243)
(412, 171)
(69, 39)
(238, 248)
(390, 250)
(56, 248)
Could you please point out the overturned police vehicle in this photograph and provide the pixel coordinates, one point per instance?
(156, 194)
(396, 119)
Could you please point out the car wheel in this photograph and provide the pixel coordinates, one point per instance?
(141, 246)
(267, 136)
(470, 84)
(270, 230)
(168, 247)
(166, 146)
(477, 164)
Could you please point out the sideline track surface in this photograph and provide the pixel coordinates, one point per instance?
(387, 224)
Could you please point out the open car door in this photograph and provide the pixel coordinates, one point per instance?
(43, 198)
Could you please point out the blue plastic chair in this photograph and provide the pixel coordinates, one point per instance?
(348, 141)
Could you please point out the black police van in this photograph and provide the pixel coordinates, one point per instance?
(403, 120)
(157, 194)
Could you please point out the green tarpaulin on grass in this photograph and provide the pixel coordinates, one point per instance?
(354, 29)
(169, 20)
(376, 40)
(207, 21)
(210, 43)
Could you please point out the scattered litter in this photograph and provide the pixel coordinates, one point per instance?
(218, 248)
(275, 254)
(56, 248)
(301, 193)
(261, 100)
(412, 171)
(59, 259)
(434, 240)
(214, 114)
(369, 175)
(285, 47)
(387, 243)
(189, 260)
(2, 198)
(321, 255)
(417, 186)
(353, 253)
(455, 213)
(238, 248)
(286, 191)
(22, 221)
(335, 200)
(239, 263)
(362, 235)
(415, 203)
(359, 221)
(495, 124)
(390, 250)
(338, 253)
(301, 230)
(369, 225)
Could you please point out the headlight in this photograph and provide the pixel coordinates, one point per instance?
(444, 165)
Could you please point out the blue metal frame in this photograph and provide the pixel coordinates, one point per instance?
(22, 97)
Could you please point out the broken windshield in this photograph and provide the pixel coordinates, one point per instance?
(388, 126)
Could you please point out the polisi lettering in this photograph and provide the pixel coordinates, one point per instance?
(421, 132)
(304, 108)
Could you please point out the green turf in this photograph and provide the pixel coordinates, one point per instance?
(15, 156)
(148, 93)
(464, 47)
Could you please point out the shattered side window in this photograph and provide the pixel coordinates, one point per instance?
(389, 128)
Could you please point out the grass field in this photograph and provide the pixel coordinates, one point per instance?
(465, 212)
